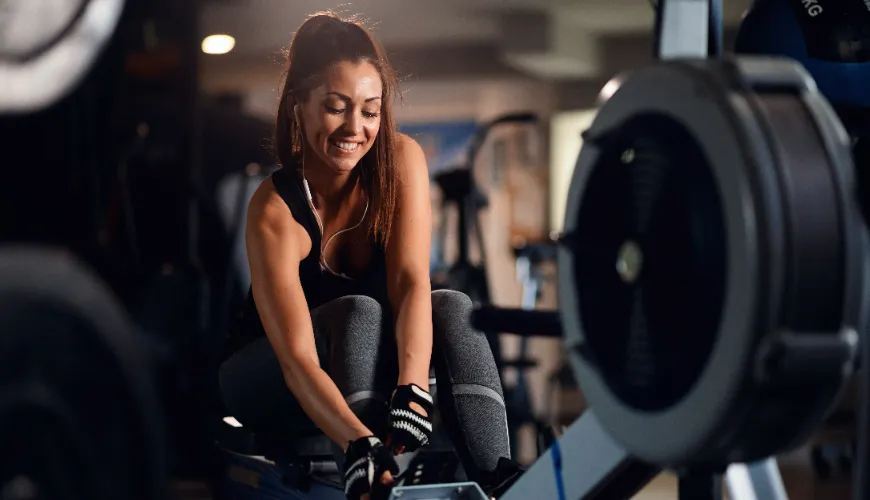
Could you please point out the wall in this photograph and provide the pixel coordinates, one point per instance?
(565, 144)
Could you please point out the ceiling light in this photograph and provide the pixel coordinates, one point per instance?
(218, 44)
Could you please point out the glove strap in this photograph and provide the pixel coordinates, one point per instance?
(403, 417)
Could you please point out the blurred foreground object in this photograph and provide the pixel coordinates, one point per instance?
(48, 46)
(79, 415)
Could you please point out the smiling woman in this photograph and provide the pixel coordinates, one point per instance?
(323, 57)
(341, 325)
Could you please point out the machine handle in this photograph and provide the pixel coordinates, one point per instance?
(517, 321)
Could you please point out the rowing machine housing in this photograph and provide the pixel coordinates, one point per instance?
(714, 261)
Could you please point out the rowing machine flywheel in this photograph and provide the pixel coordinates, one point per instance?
(713, 261)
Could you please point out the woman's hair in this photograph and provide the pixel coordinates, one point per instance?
(323, 40)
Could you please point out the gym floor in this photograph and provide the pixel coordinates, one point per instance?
(800, 481)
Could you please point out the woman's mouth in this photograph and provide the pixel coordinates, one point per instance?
(344, 147)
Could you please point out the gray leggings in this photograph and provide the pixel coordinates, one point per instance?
(357, 348)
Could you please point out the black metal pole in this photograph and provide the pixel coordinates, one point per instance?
(659, 6)
(463, 206)
(714, 29)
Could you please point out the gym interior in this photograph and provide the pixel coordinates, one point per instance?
(136, 134)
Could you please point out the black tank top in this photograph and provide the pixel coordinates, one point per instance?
(319, 286)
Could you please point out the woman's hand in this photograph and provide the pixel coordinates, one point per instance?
(369, 468)
(386, 480)
(410, 419)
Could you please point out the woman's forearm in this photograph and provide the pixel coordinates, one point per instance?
(323, 402)
(414, 335)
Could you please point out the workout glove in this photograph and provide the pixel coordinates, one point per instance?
(409, 430)
(365, 461)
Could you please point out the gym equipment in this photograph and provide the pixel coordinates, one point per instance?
(713, 272)
(431, 476)
(78, 410)
(47, 47)
(710, 171)
(459, 189)
(255, 466)
(529, 257)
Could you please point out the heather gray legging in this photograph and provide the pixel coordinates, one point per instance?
(356, 346)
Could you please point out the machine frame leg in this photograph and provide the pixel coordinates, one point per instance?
(585, 463)
(755, 481)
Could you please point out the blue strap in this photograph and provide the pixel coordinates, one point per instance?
(556, 454)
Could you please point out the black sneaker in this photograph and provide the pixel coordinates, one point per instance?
(503, 477)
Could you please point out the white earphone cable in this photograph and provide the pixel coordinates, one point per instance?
(323, 246)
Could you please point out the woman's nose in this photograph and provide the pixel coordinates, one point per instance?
(354, 123)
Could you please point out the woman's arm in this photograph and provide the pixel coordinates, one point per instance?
(276, 244)
(407, 253)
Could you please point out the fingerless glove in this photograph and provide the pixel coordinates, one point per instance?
(410, 430)
(365, 461)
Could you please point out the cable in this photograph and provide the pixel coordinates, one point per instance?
(323, 263)
(556, 454)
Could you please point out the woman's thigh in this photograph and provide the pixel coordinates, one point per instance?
(355, 347)
(362, 356)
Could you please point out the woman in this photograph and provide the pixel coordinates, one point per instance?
(341, 323)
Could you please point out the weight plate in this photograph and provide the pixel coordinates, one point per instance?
(78, 416)
(48, 46)
(693, 242)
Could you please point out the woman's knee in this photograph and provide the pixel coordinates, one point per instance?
(451, 320)
(351, 308)
(359, 348)
(353, 318)
(450, 307)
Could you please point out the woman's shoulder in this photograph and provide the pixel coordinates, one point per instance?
(406, 144)
(267, 208)
(410, 154)
(266, 203)
(269, 218)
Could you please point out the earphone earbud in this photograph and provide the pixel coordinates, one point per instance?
(304, 180)
(307, 190)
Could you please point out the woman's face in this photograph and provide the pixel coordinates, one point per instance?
(341, 118)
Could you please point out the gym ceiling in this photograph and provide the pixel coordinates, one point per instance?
(554, 40)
